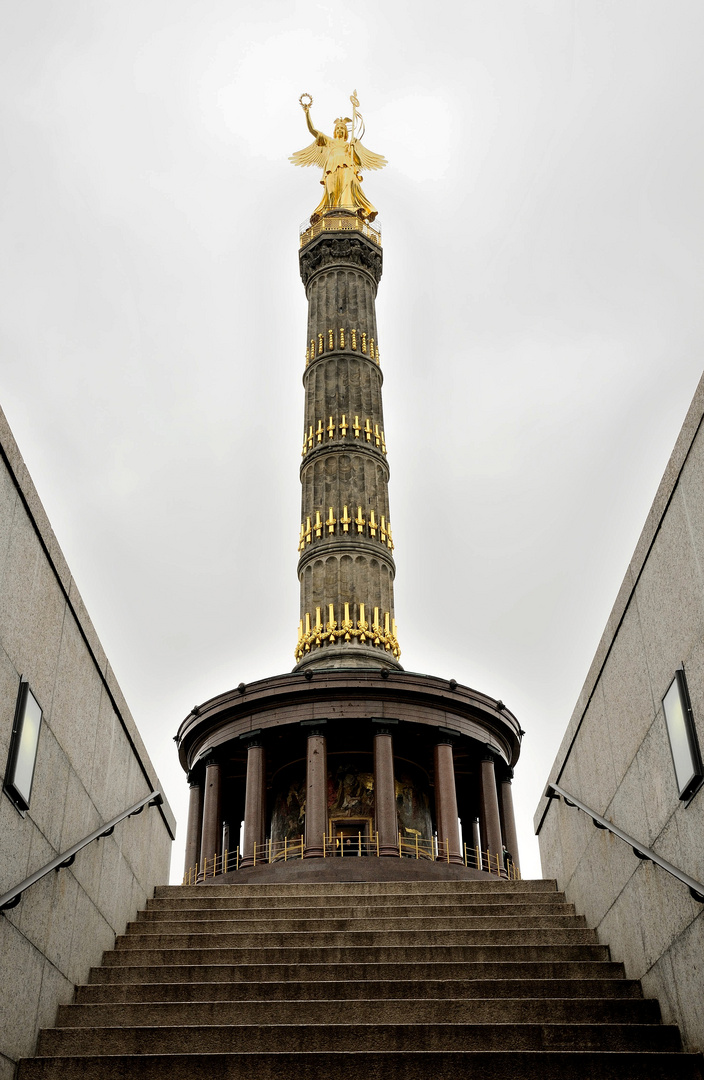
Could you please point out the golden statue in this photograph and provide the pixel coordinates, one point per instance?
(340, 161)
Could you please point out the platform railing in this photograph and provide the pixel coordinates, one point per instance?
(67, 858)
(350, 846)
(696, 889)
(338, 221)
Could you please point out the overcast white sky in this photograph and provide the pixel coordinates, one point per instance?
(540, 321)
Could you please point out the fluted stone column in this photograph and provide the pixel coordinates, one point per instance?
(195, 823)
(476, 834)
(385, 788)
(211, 830)
(509, 820)
(316, 790)
(346, 567)
(446, 803)
(254, 802)
(491, 822)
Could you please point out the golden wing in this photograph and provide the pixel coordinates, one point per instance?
(368, 159)
(314, 154)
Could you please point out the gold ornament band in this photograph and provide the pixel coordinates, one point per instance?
(313, 634)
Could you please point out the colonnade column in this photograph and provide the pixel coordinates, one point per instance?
(510, 835)
(211, 833)
(446, 803)
(254, 801)
(316, 789)
(195, 823)
(491, 822)
(385, 788)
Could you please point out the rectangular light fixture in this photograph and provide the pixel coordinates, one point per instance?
(19, 775)
(681, 732)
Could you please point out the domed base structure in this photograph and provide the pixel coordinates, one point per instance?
(324, 766)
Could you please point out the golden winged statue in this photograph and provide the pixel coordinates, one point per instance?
(341, 158)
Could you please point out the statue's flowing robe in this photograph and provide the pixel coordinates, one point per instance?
(341, 162)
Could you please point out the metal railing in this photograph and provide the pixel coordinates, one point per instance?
(13, 897)
(339, 222)
(696, 889)
(349, 847)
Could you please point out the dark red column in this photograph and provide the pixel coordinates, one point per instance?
(195, 823)
(491, 822)
(316, 789)
(211, 830)
(385, 788)
(509, 821)
(446, 803)
(254, 803)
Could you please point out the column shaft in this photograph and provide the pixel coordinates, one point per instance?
(195, 825)
(316, 796)
(491, 823)
(210, 835)
(254, 806)
(510, 835)
(446, 805)
(385, 794)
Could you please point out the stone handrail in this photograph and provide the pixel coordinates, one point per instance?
(12, 898)
(696, 889)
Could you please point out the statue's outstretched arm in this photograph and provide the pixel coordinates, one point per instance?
(316, 134)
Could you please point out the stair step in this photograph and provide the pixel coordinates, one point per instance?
(358, 939)
(361, 910)
(368, 980)
(363, 1064)
(390, 924)
(211, 897)
(446, 1010)
(346, 954)
(363, 888)
(259, 972)
(334, 1038)
(360, 990)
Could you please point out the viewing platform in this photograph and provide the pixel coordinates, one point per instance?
(338, 220)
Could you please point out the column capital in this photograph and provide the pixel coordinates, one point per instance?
(447, 736)
(490, 753)
(252, 738)
(507, 777)
(192, 779)
(211, 758)
(313, 727)
(382, 725)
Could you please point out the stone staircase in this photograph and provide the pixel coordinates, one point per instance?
(419, 980)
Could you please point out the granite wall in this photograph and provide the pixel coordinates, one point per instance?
(615, 755)
(91, 765)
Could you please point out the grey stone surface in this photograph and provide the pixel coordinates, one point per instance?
(616, 746)
(90, 760)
